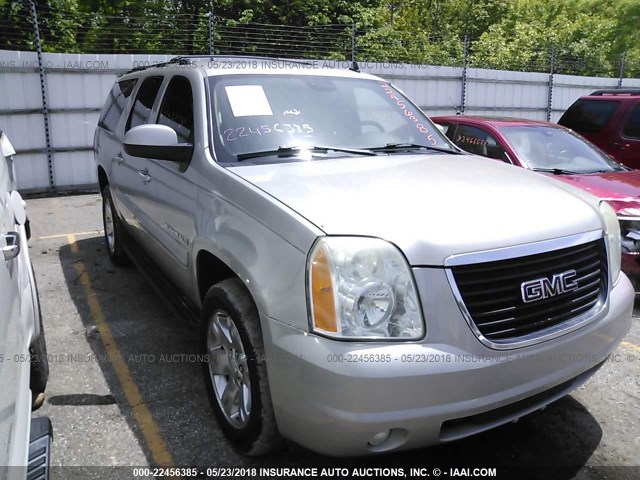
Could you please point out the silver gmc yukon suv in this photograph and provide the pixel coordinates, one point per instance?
(362, 286)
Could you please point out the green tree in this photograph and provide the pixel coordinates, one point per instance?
(429, 31)
(587, 36)
(626, 35)
(57, 23)
(531, 30)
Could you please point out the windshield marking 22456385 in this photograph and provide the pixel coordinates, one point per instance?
(410, 115)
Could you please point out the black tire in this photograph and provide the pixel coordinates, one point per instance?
(259, 436)
(39, 360)
(113, 232)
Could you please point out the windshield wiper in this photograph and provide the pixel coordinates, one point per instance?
(556, 171)
(608, 171)
(283, 151)
(394, 147)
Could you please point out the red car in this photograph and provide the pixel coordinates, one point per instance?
(611, 120)
(555, 150)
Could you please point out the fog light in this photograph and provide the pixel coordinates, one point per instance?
(379, 438)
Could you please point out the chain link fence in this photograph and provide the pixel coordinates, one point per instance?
(185, 34)
(56, 68)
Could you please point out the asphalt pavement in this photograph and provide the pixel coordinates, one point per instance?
(126, 384)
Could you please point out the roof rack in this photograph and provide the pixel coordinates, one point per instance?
(185, 59)
(354, 65)
(616, 91)
(155, 65)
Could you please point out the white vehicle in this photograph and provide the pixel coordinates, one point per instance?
(24, 369)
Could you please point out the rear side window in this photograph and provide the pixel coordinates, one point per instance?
(588, 116)
(632, 127)
(478, 141)
(144, 102)
(115, 104)
(177, 109)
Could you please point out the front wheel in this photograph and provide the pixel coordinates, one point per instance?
(39, 359)
(236, 372)
(113, 229)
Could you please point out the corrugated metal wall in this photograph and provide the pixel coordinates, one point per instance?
(76, 86)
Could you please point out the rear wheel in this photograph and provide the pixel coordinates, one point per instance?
(113, 230)
(236, 371)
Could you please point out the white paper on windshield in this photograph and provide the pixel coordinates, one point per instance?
(248, 100)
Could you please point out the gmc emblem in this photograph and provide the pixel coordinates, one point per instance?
(541, 288)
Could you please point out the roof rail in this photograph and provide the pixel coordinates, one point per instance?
(184, 59)
(616, 91)
(187, 58)
(154, 65)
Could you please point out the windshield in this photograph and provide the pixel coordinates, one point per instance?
(260, 114)
(542, 147)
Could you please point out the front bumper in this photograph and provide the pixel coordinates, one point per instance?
(333, 396)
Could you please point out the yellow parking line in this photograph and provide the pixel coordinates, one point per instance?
(631, 346)
(150, 431)
(67, 235)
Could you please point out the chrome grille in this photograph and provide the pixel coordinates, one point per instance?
(491, 291)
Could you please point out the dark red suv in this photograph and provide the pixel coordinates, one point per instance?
(611, 120)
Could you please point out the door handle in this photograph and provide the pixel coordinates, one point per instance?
(146, 178)
(621, 146)
(119, 159)
(12, 250)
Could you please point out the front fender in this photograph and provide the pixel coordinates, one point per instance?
(272, 269)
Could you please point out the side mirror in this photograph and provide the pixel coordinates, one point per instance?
(157, 141)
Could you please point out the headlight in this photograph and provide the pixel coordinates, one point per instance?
(362, 288)
(630, 235)
(612, 230)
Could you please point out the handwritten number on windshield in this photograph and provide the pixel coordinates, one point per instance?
(232, 134)
(407, 113)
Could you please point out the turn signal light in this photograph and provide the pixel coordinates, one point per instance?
(322, 293)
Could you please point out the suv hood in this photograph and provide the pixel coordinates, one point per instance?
(431, 206)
